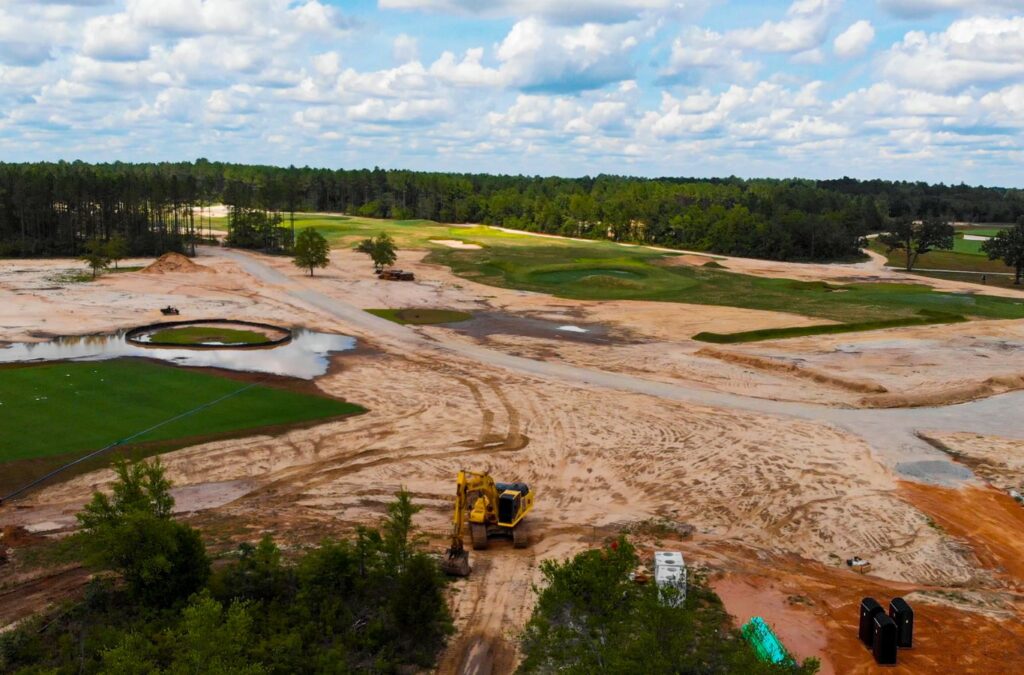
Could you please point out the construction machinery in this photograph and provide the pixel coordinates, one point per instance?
(491, 510)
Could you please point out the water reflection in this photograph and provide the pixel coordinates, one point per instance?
(306, 356)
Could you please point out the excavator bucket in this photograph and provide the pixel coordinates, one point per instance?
(456, 563)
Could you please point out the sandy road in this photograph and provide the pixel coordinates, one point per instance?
(890, 432)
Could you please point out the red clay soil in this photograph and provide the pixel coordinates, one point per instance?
(805, 601)
(990, 521)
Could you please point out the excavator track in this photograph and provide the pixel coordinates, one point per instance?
(478, 533)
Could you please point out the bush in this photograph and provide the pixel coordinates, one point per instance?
(590, 618)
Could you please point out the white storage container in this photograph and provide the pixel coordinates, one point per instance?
(670, 572)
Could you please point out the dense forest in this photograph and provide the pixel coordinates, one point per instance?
(56, 208)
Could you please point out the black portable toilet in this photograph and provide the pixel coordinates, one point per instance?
(884, 645)
(901, 613)
(868, 608)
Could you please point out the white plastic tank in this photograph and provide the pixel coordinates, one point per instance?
(670, 572)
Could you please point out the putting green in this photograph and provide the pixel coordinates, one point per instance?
(198, 335)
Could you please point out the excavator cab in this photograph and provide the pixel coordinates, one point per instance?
(493, 510)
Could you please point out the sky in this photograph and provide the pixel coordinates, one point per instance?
(927, 90)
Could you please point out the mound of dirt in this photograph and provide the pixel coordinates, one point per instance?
(173, 262)
(774, 365)
(960, 393)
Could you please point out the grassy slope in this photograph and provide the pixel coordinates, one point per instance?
(421, 317)
(604, 271)
(63, 408)
(190, 335)
(601, 270)
(973, 265)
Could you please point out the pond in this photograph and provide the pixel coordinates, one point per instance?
(305, 357)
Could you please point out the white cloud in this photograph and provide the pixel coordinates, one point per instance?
(567, 11)
(805, 27)
(405, 48)
(855, 40)
(114, 38)
(700, 50)
(970, 52)
(541, 57)
(919, 8)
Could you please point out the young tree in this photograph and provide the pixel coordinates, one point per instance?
(1008, 245)
(311, 250)
(381, 249)
(95, 256)
(116, 249)
(917, 238)
(132, 532)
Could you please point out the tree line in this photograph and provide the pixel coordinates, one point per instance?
(55, 208)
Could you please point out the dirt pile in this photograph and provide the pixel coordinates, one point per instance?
(774, 365)
(173, 262)
(961, 393)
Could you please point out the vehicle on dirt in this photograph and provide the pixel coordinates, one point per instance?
(492, 510)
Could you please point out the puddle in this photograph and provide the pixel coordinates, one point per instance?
(484, 324)
(305, 357)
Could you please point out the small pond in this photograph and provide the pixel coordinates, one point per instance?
(306, 356)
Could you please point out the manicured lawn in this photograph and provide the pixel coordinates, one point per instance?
(191, 335)
(604, 271)
(946, 260)
(924, 319)
(76, 407)
(421, 317)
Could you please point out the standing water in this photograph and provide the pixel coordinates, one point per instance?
(306, 356)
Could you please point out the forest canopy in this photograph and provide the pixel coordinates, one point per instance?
(49, 209)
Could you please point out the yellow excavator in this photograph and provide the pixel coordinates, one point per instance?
(493, 510)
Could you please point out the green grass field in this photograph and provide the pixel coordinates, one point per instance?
(192, 335)
(76, 407)
(972, 265)
(421, 317)
(925, 318)
(604, 270)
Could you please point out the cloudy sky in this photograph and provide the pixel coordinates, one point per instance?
(910, 89)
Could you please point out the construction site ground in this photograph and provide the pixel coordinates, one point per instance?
(785, 457)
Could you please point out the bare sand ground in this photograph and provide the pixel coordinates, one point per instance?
(777, 503)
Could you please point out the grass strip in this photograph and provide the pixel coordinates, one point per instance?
(195, 335)
(421, 317)
(925, 318)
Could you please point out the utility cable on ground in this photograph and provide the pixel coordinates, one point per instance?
(123, 441)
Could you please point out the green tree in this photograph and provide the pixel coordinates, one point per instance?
(381, 249)
(212, 640)
(131, 532)
(398, 539)
(116, 249)
(311, 250)
(915, 238)
(95, 256)
(1008, 245)
(590, 618)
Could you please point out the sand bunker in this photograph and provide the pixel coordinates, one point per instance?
(174, 262)
(455, 243)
